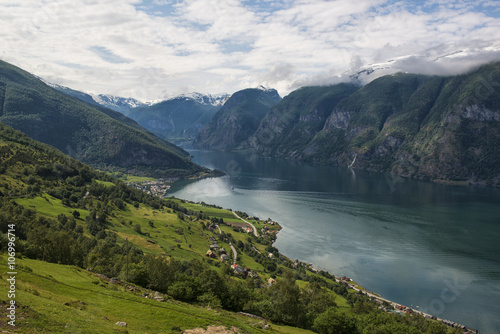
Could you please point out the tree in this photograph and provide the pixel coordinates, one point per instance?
(334, 321)
(161, 270)
(76, 214)
(137, 228)
(209, 299)
(285, 296)
(185, 290)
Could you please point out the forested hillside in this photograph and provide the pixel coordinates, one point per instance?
(92, 134)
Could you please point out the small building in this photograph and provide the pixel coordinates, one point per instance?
(211, 254)
(237, 269)
(271, 281)
(224, 257)
(253, 274)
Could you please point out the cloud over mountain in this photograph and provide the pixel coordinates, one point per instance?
(154, 49)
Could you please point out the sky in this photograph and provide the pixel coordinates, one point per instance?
(156, 49)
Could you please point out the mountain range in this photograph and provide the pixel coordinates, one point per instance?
(445, 129)
(419, 126)
(426, 127)
(178, 119)
(88, 132)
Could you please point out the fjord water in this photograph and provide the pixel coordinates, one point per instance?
(433, 247)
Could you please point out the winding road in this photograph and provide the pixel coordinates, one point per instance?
(235, 254)
(254, 229)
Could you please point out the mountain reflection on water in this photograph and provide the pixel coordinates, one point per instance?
(421, 244)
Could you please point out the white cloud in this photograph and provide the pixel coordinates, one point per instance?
(158, 48)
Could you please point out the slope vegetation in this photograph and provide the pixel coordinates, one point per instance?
(92, 134)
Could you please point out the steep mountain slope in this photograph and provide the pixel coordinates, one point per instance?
(428, 127)
(71, 92)
(296, 119)
(179, 118)
(238, 118)
(94, 135)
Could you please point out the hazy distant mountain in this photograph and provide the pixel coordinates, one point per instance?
(180, 118)
(430, 127)
(92, 134)
(238, 118)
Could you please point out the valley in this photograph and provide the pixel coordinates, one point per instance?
(135, 241)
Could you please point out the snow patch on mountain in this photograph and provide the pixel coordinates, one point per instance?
(432, 62)
(116, 102)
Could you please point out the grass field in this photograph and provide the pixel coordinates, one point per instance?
(66, 299)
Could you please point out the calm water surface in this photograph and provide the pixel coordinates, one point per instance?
(424, 245)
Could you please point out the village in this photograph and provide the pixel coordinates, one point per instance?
(270, 229)
(156, 188)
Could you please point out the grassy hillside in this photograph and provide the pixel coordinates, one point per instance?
(88, 248)
(67, 299)
(92, 134)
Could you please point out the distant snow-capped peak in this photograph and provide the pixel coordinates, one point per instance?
(212, 99)
(265, 89)
(117, 101)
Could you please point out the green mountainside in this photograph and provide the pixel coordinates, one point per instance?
(238, 118)
(94, 255)
(92, 134)
(435, 128)
(296, 119)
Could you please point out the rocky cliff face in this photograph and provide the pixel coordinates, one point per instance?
(427, 127)
(290, 125)
(238, 118)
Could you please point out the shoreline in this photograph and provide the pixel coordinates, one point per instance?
(396, 307)
(350, 284)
